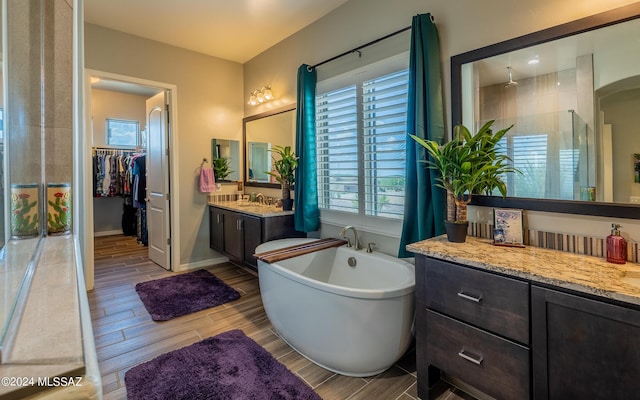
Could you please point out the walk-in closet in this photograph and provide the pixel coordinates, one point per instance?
(118, 119)
(121, 174)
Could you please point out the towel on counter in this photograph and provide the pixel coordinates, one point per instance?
(207, 180)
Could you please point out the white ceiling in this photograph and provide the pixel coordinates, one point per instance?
(235, 30)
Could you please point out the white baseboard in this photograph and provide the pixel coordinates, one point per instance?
(108, 233)
(202, 264)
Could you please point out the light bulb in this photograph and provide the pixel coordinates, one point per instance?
(260, 97)
(253, 100)
(267, 94)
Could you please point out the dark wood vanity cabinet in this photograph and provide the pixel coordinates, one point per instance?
(513, 339)
(237, 234)
(474, 327)
(216, 228)
(583, 348)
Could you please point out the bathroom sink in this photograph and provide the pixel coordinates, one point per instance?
(632, 277)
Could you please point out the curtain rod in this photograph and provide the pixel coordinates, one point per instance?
(357, 49)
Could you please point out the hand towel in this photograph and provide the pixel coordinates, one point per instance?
(207, 180)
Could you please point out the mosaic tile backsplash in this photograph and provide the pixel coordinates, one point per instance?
(218, 198)
(579, 244)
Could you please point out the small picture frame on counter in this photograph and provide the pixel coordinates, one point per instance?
(508, 229)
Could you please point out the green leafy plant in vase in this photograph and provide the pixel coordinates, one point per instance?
(284, 168)
(221, 168)
(468, 164)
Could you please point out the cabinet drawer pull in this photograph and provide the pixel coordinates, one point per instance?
(475, 299)
(476, 359)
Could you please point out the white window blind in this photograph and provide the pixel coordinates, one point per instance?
(337, 149)
(529, 156)
(361, 134)
(384, 127)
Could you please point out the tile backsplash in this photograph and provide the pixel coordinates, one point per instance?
(216, 198)
(580, 244)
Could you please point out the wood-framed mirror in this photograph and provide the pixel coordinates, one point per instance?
(260, 133)
(592, 60)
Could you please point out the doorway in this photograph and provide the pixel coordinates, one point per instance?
(108, 98)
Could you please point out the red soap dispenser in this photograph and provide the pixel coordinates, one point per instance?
(616, 246)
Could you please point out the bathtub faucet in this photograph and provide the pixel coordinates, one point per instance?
(356, 243)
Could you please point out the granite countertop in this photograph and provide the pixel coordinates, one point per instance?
(251, 208)
(592, 275)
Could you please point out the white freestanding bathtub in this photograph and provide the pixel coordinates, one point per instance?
(354, 321)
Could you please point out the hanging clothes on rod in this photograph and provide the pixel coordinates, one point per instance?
(110, 171)
(138, 179)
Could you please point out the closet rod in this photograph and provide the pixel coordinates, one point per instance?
(357, 49)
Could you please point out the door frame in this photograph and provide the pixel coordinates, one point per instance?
(172, 143)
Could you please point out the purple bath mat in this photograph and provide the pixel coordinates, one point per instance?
(183, 294)
(229, 366)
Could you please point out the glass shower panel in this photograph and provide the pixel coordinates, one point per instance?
(584, 186)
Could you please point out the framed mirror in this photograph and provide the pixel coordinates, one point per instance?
(225, 156)
(568, 91)
(261, 133)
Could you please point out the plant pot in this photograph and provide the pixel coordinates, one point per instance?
(456, 231)
(287, 204)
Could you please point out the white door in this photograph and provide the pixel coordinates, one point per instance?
(158, 180)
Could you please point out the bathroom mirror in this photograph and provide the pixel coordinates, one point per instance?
(261, 133)
(228, 150)
(569, 91)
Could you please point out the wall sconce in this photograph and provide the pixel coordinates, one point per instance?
(262, 95)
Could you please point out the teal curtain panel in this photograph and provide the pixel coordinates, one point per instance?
(424, 207)
(305, 202)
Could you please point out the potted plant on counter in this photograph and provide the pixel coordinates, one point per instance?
(284, 173)
(467, 165)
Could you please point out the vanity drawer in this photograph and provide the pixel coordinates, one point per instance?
(496, 366)
(496, 303)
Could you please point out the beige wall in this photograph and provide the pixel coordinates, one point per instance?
(106, 104)
(463, 25)
(621, 111)
(210, 104)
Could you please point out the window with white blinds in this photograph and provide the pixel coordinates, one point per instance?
(337, 149)
(530, 158)
(384, 108)
(543, 173)
(361, 133)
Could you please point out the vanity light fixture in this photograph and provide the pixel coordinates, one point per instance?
(262, 95)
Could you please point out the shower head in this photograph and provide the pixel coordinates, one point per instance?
(511, 81)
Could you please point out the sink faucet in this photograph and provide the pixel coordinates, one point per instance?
(356, 243)
(260, 198)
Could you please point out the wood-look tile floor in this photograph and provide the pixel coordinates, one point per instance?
(125, 334)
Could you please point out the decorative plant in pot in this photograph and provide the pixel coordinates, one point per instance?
(285, 173)
(467, 165)
(221, 168)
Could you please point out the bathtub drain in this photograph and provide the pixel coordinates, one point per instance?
(352, 261)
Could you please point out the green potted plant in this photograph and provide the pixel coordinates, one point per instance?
(467, 165)
(221, 168)
(284, 168)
